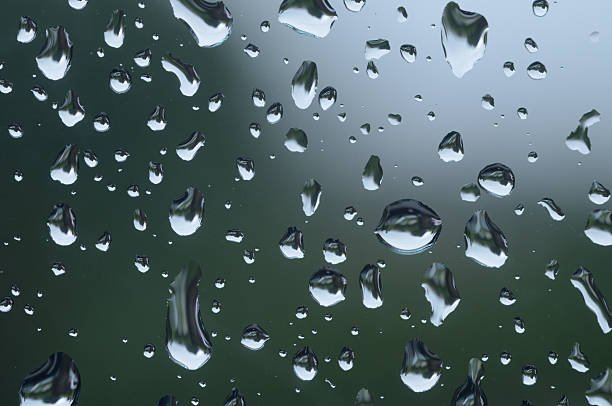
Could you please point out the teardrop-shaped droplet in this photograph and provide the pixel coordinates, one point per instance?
(600, 391)
(484, 241)
(104, 241)
(421, 368)
(27, 30)
(120, 80)
(579, 140)
(327, 286)
(346, 358)
(334, 251)
(554, 211)
(71, 111)
(114, 34)
(464, 38)
(291, 244)
(551, 270)
(311, 196)
(440, 292)
(408, 227)
(536, 71)
(188, 78)
(451, 147)
(235, 398)
(327, 98)
(372, 174)
(354, 5)
(187, 341)
(62, 225)
(209, 22)
(140, 220)
(56, 382)
(583, 280)
(168, 400)
(246, 168)
(408, 53)
(55, 57)
(296, 140)
(310, 17)
(157, 119)
(274, 113)
(529, 374)
(254, 337)
(187, 212)
(578, 360)
(599, 227)
(304, 84)
(65, 169)
(188, 149)
(372, 70)
(376, 48)
(598, 193)
(470, 393)
(156, 172)
(370, 283)
(143, 58)
(305, 364)
(469, 192)
(497, 179)
(101, 122)
(215, 101)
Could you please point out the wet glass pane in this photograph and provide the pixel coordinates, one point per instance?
(305, 202)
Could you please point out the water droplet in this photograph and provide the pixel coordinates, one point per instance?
(264, 26)
(187, 212)
(296, 140)
(599, 227)
(408, 52)
(209, 22)
(469, 192)
(188, 78)
(301, 312)
(156, 172)
(552, 208)
(6, 304)
(536, 71)
(157, 119)
(259, 98)
(252, 50)
(509, 69)
(274, 113)
(346, 358)
(168, 400)
(370, 283)
(583, 280)
(304, 84)
(305, 364)
(120, 80)
(578, 360)
(254, 337)
(506, 297)
(372, 70)
(104, 241)
(65, 169)
(540, 8)
(27, 30)
(530, 45)
(235, 398)
(402, 15)
(408, 227)
(497, 179)
(334, 251)
(372, 174)
(62, 225)
(309, 17)
(292, 244)
(187, 341)
(140, 220)
(311, 196)
(71, 111)
(519, 325)
(354, 5)
(55, 57)
(484, 241)
(451, 147)
(114, 33)
(376, 48)
(440, 292)
(149, 351)
(327, 97)
(246, 168)
(530, 375)
(470, 393)
(421, 368)
(188, 149)
(505, 358)
(39, 92)
(234, 236)
(56, 382)
(488, 102)
(327, 287)
(600, 392)
(464, 38)
(349, 213)
(101, 122)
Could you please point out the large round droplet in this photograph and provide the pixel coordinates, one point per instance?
(327, 286)
(536, 71)
(187, 212)
(497, 179)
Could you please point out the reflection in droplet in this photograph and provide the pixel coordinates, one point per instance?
(440, 292)
(259, 98)
(114, 34)
(421, 368)
(188, 149)
(372, 174)
(327, 287)
(120, 80)
(254, 337)
(451, 147)
(536, 71)
(408, 52)
(540, 8)
(209, 22)
(464, 38)
(305, 364)
(600, 392)
(497, 179)
(371, 287)
(56, 382)
(187, 341)
(334, 251)
(408, 227)
(376, 48)
(104, 241)
(530, 45)
(310, 17)
(346, 358)
(274, 113)
(599, 227)
(311, 196)
(506, 297)
(327, 97)
(583, 280)
(296, 140)
(509, 69)
(291, 244)
(157, 119)
(71, 111)
(578, 360)
(354, 5)
(530, 375)
(484, 241)
(598, 193)
(55, 57)
(156, 172)
(187, 212)
(554, 211)
(246, 168)
(65, 169)
(304, 84)
(27, 30)
(186, 74)
(469, 192)
(62, 225)
(470, 393)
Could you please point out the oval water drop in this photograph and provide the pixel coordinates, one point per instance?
(55, 57)
(304, 84)
(187, 212)
(484, 241)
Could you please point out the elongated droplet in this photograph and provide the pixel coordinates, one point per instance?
(65, 169)
(421, 368)
(310, 17)
(188, 149)
(104, 241)
(598, 193)
(346, 358)
(554, 211)
(296, 140)
(464, 38)
(156, 172)
(304, 84)
(327, 98)
(56, 382)
(497, 179)
(187, 212)
(537, 71)
(408, 227)
(372, 174)
(600, 392)
(311, 196)
(246, 168)
(484, 241)
(71, 111)
(470, 393)
(62, 225)
(292, 244)
(408, 53)
(254, 337)
(578, 360)
(274, 113)
(235, 398)
(579, 140)
(599, 227)
(27, 30)
(168, 400)
(327, 286)
(529, 374)
(440, 292)
(583, 280)
(209, 22)
(55, 57)
(376, 48)
(305, 364)
(370, 283)
(114, 34)
(451, 147)
(187, 341)
(157, 119)
(334, 251)
(186, 74)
